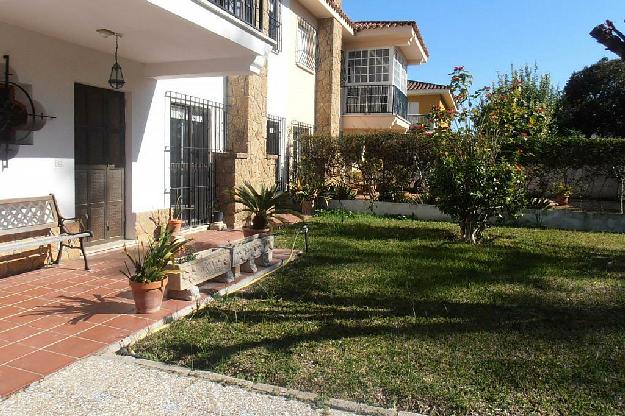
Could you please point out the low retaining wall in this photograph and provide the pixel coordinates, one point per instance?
(558, 219)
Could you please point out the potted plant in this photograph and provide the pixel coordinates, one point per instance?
(306, 196)
(562, 193)
(264, 206)
(148, 277)
(174, 224)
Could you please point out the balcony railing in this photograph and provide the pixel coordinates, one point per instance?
(248, 11)
(374, 99)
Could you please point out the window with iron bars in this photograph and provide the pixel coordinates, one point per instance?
(197, 132)
(306, 45)
(275, 23)
(248, 11)
(276, 145)
(299, 131)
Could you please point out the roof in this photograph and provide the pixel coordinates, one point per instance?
(419, 85)
(341, 12)
(364, 25)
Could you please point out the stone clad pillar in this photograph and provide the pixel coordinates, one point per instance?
(246, 124)
(328, 78)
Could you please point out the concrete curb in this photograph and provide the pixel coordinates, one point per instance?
(311, 398)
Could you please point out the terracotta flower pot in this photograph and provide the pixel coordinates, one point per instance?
(562, 200)
(174, 226)
(249, 231)
(148, 296)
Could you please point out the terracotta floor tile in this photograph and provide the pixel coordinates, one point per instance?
(42, 339)
(37, 291)
(19, 333)
(5, 325)
(13, 298)
(49, 322)
(13, 351)
(76, 347)
(30, 303)
(9, 310)
(13, 379)
(73, 328)
(104, 334)
(23, 318)
(175, 305)
(131, 323)
(42, 362)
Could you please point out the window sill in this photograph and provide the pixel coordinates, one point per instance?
(305, 68)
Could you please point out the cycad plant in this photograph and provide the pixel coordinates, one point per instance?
(264, 205)
(150, 264)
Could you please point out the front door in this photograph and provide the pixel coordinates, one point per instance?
(99, 152)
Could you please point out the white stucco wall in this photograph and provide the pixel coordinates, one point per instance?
(52, 67)
(291, 92)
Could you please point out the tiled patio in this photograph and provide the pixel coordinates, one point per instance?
(51, 317)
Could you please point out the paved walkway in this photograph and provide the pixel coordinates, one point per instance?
(52, 317)
(132, 389)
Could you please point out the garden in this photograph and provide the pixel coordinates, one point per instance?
(473, 316)
(398, 313)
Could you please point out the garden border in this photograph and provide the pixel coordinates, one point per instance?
(552, 219)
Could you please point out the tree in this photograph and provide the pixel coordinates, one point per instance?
(472, 181)
(609, 36)
(594, 99)
(522, 103)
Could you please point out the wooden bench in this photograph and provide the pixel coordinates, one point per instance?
(21, 217)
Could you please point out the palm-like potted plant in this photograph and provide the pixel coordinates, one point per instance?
(148, 277)
(264, 207)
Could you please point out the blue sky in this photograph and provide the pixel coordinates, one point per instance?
(486, 36)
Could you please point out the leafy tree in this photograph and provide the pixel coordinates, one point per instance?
(594, 100)
(473, 181)
(520, 104)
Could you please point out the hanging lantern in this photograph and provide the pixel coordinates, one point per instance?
(116, 80)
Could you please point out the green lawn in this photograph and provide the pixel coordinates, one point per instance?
(396, 313)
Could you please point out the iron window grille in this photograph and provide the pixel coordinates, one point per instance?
(197, 133)
(299, 131)
(277, 146)
(248, 11)
(306, 45)
(275, 24)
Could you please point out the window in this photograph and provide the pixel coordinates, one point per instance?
(275, 24)
(400, 72)
(197, 132)
(306, 45)
(413, 108)
(276, 145)
(368, 66)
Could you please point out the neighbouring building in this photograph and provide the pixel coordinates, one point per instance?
(423, 97)
(216, 93)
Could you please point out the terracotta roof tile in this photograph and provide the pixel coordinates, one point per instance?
(358, 26)
(419, 85)
(341, 12)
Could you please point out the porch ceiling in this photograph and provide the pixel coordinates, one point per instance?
(155, 32)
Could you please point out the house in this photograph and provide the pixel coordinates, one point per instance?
(425, 96)
(215, 93)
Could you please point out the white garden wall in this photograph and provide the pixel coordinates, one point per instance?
(558, 219)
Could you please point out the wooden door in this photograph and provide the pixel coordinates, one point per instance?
(99, 153)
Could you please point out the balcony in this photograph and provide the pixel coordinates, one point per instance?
(374, 107)
(247, 11)
(375, 99)
(181, 38)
